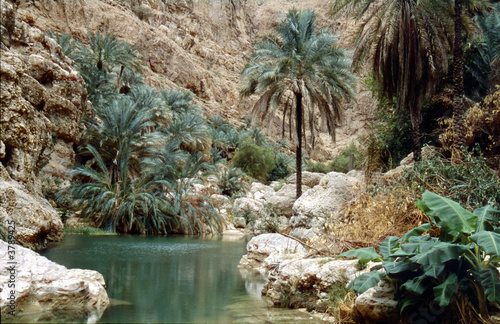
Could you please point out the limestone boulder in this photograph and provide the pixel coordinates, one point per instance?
(306, 281)
(327, 198)
(260, 192)
(44, 289)
(247, 205)
(35, 219)
(284, 199)
(378, 304)
(309, 179)
(266, 251)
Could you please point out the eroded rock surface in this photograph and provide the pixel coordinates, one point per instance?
(35, 220)
(378, 304)
(43, 100)
(45, 290)
(266, 251)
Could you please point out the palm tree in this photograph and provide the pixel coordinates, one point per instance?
(408, 46)
(122, 203)
(303, 70)
(107, 53)
(482, 57)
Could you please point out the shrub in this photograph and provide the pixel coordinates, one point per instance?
(281, 169)
(340, 162)
(471, 183)
(256, 161)
(319, 167)
(455, 270)
(230, 181)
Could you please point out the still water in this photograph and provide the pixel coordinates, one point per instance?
(171, 279)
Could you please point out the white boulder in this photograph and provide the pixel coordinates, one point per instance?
(42, 287)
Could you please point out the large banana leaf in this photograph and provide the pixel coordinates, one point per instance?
(449, 215)
(364, 254)
(488, 241)
(417, 285)
(433, 270)
(445, 291)
(440, 253)
(418, 247)
(491, 283)
(366, 281)
(487, 215)
(392, 268)
(417, 231)
(388, 245)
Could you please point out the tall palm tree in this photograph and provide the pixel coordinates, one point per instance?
(299, 69)
(408, 46)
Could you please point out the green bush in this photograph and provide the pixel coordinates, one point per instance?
(471, 183)
(318, 167)
(340, 162)
(230, 181)
(455, 270)
(256, 161)
(281, 169)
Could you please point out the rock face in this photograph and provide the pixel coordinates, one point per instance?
(43, 100)
(324, 200)
(201, 46)
(267, 250)
(378, 304)
(35, 220)
(327, 197)
(44, 289)
(306, 282)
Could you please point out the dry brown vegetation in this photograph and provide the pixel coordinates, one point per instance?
(370, 217)
(483, 126)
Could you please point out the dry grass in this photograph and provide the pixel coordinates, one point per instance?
(482, 124)
(343, 311)
(369, 218)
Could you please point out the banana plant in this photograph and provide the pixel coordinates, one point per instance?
(465, 257)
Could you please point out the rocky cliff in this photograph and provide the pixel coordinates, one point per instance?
(199, 45)
(43, 100)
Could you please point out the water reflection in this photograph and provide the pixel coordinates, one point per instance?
(171, 279)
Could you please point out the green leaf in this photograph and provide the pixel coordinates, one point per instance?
(491, 283)
(398, 267)
(367, 254)
(433, 270)
(418, 247)
(416, 285)
(409, 301)
(440, 253)
(388, 245)
(445, 291)
(486, 215)
(417, 231)
(449, 215)
(488, 241)
(365, 281)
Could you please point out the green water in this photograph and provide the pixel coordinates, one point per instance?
(171, 279)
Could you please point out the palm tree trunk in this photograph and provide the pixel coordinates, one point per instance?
(415, 137)
(298, 155)
(458, 78)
